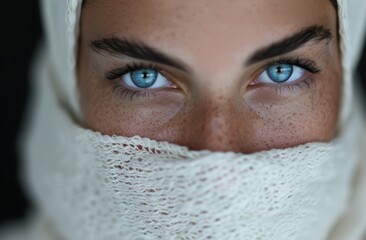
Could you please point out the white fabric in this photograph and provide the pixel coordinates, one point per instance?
(89, 186)
(352, 21)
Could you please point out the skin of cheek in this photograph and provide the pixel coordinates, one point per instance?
(311, 118)
(221, 122)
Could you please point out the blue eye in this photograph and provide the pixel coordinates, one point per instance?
(281, 73)
(144, 78)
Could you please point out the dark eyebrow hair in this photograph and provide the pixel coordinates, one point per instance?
(136, 49)
(289, 44)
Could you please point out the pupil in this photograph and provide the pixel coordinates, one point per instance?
(145, 74)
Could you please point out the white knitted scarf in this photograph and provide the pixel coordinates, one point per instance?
(95, 187)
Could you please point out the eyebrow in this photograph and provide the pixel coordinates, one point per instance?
(136, 49)
(289, 44)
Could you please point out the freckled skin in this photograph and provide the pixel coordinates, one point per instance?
(215, 108)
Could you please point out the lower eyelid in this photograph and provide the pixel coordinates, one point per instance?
(275, 93)
(127, 93)
(296, 87)
(146, 95)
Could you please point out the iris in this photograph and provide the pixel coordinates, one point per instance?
(280, 73)
(144, 78)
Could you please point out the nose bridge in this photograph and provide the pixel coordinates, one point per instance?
(219, 125)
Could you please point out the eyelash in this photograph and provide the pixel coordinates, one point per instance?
(129, 93)
(117, 73)
(306, 64)
(300, 85)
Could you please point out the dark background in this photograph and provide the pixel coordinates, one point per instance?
(21, 32)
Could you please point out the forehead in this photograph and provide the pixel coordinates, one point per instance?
(205, 28)
(205, 16)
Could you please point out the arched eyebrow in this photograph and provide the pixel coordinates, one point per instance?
(133, 48)
(291, 43)
(136, 49)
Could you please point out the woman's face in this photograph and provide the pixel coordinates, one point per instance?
(234, 75)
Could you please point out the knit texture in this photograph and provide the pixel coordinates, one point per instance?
(92, 186)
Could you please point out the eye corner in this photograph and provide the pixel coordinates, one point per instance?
(114, 74)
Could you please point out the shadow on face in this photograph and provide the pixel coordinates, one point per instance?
(236, 75)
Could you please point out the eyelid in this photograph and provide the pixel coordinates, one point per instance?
(304, 63)
(307, 64)
(180, 80)
(116, 73)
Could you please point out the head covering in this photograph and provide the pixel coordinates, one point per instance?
(89, 186)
